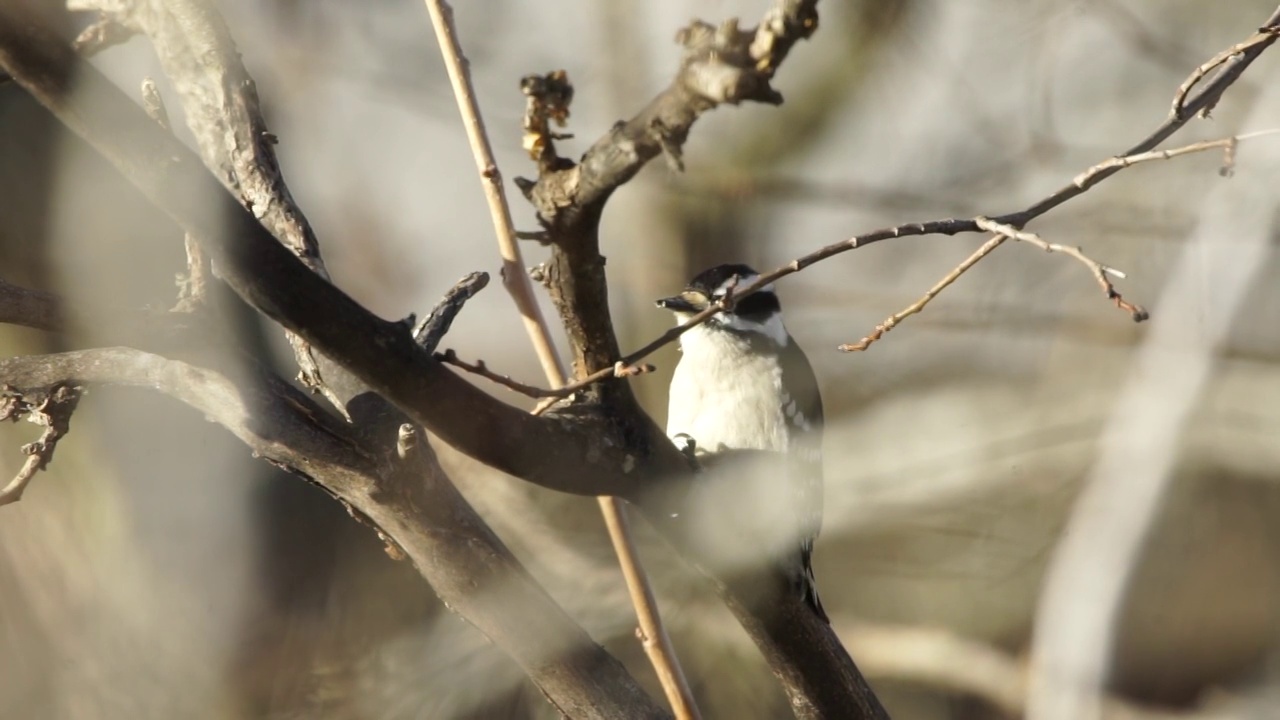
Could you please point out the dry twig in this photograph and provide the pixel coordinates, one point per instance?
(552, 100)
(954, 226)
(1265, 36)
(1099, 271)
(892, 321)
(193, 287)
(1087, 178)
(431, 330)
(49, 407)
(1083, 180)
(221, 107)
(479, 367)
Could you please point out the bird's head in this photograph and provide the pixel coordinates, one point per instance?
(757, 314)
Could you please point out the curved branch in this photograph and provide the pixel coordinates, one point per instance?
(956, 226)
(221, 106)
(720, 64)
(656, 643)
(380, 353)
(411, 502)
(581, 295)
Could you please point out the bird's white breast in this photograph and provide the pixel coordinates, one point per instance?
(725, 396)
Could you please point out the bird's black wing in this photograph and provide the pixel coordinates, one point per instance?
(802, 409)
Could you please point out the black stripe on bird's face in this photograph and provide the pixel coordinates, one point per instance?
(757, 306)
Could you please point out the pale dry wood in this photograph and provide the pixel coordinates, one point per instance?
(657, 644)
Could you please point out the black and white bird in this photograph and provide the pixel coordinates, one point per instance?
(743, 383)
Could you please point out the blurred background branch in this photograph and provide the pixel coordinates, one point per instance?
(156, 570)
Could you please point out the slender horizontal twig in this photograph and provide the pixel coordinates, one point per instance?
(450, 357)
(1085, 179)
(479, 367)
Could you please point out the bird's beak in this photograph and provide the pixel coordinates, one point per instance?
(676, 303)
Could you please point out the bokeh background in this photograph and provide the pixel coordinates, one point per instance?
(158, 571)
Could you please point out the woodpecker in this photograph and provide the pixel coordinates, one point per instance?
(743, 383)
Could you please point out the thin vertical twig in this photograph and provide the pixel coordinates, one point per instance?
(654, 638)
(195, 285)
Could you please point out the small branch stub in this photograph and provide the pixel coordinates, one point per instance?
(547, 99)
(49, 407)
(431, 330)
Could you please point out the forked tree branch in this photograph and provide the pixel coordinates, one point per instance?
(408, 500)
(50, 407)
(1140, 153)
(381, 353)
(653, 635)
(286, 427)
(221, 107)
(956, 226)
(724, 64)
(594, 449)
(617, 447)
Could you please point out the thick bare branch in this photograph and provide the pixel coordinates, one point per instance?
(381, 353)
(657, 644)
(408, 500)
(720, 64)
(221, 107)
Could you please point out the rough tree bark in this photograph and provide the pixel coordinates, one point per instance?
(600, 443)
